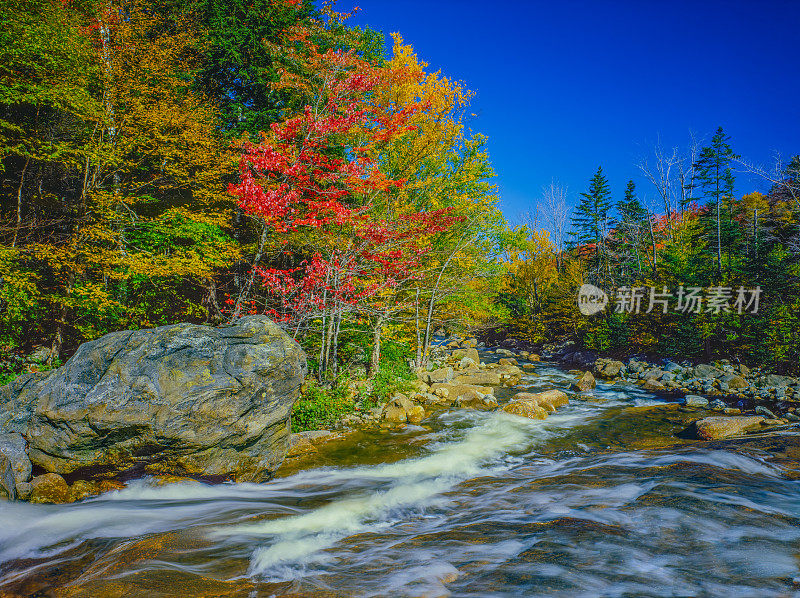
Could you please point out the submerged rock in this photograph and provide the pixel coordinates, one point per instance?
(301, 443)
(183, 399)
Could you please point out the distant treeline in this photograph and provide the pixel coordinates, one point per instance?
(701, 258)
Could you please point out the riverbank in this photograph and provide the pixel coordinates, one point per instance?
(722, 400)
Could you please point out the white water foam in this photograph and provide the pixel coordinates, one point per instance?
(297, 540)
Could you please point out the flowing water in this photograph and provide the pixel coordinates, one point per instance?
(601, 499)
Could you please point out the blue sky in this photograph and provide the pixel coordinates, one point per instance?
(565, 86)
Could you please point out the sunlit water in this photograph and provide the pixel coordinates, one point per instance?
(601, 499)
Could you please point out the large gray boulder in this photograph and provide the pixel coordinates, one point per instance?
(183, 399)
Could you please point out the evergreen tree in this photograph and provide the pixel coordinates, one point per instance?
(591, 220)
(715, 181)
(630, 209)
(629, 231)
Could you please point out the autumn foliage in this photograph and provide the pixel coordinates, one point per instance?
(172, 165)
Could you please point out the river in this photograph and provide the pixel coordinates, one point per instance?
(601, 499)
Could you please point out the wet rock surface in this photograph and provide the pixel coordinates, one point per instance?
(482, 491)
(719, 427)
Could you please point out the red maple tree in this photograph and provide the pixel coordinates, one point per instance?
(318, 171)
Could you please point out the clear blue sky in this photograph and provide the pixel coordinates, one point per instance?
(565, 86)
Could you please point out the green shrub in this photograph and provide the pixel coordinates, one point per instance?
(320, 406)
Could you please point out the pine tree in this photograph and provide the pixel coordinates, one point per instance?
(591, 219)
(715, 181)
(630, 229)
(630, 209)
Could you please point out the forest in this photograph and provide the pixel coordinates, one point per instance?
(705, 275)
(200, 160)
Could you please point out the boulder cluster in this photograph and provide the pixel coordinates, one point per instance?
(718, 379)
(745, 399)
(461, 379)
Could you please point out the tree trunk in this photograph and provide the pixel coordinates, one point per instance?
(211, 303)
(719, 241)
(322, 336)
(61, 323)
(653, 242)
(431, 304)
(19, 202)
(335, 348)
(245, 292)
(719, 223)
(375, 358)
(329, 339)
(418, 360)
(755, 233)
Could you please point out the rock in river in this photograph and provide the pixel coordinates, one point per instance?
(718, 427)
(608, 369)
(527, 409)
(50, 488)
(536, 405)
(183, 399)
(585, 382)
(695, 401)
(15, 467)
